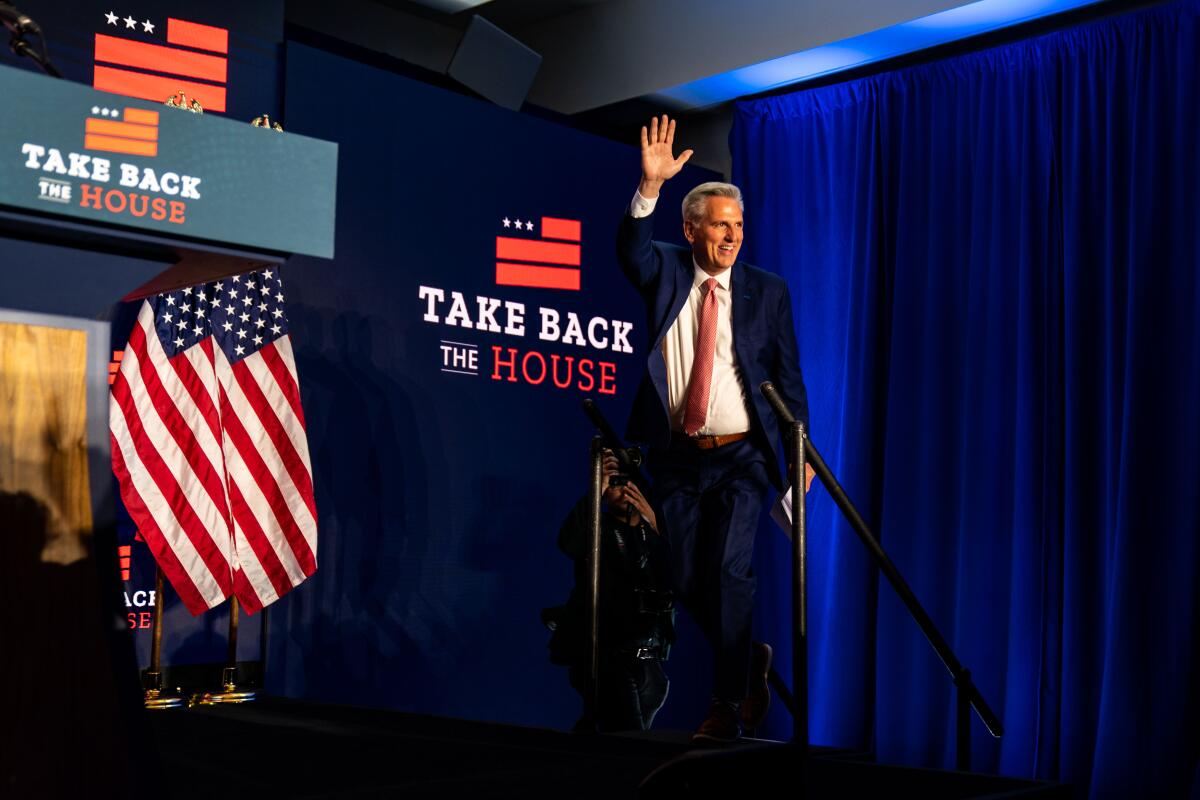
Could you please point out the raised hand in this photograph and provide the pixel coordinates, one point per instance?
(659, 163)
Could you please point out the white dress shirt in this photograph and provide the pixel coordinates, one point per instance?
(727, 406)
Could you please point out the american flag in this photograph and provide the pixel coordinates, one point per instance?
(209, 446)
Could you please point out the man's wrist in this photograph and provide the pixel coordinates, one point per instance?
(649, 189)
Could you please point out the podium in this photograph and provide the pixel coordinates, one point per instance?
(105, 198)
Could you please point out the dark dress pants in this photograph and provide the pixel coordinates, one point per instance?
(711, 501)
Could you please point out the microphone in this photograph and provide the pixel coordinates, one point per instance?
(17, 22)
(772, 394)
(630, 458)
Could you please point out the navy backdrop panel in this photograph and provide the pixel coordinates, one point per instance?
(996, 263)
(440, 493)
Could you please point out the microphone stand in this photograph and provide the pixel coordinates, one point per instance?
(20, 25)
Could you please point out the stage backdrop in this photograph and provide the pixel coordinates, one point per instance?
(474, 302)
(995, 268)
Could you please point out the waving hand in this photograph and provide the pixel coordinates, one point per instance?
(659, 163)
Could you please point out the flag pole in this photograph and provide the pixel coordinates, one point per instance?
(152, 676)
(229, 691)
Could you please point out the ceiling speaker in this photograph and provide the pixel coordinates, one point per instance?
(494, 65)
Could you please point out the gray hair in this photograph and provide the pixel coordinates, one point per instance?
(696, 202)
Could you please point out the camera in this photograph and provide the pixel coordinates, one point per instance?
(618, 480)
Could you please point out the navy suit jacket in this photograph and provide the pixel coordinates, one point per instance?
(764, 338)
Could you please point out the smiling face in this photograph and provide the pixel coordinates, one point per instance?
(716, 237)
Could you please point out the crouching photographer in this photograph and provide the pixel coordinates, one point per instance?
(637, 615)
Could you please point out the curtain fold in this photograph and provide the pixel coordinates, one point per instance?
(994, 260)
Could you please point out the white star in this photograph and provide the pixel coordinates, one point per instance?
(228, 326)
(507, 222)
(249, 284)
(179, 342)
(200, 312)
(277, 313)
(241, 333)
(229, 307)
(199, 330)
(519, 224)
(244, 317)
(279, 297)
(233, 293)
(148, 26)
(166, 317)
(237, 278)
(130, 22)
(185, 308)
(170, 300)
(257, 340)
(96, 110)
(529, 226)
(265, 289)
(187, 290)
(219, 287)
(181, 324)
(258, 323)
(112, 20)
(262, 306)
(239, 349)
(246, 300)
(202, 297)
(275, 329)
(266, 273)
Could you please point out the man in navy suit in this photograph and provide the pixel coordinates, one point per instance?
(718, 328)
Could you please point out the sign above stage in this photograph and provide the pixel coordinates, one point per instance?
(69, 151)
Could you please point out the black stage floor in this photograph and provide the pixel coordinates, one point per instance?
(278, 748)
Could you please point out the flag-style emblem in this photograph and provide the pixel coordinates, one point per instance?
(194, 60)
(136, 134)
(548, 261)
(209, 444)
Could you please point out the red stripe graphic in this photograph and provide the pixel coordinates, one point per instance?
(157, 87)
(193, 34)
(116, 144)
(128, 130)
(172, 60)
(554, 228)
(511, 249)
(140, 116)
(536, 277)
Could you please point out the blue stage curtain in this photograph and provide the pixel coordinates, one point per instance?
(994, 261)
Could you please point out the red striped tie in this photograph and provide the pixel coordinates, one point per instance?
(700, 382)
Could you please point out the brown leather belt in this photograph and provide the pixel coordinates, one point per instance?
(712, 442)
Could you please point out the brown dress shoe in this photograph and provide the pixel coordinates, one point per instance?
(758, 697)
(722, 724)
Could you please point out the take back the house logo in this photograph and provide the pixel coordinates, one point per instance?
(116, 189)
(570, 353)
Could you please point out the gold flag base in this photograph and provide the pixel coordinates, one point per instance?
(229, 693)
(153, 696)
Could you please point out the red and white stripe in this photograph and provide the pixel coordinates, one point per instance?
(213, 465)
